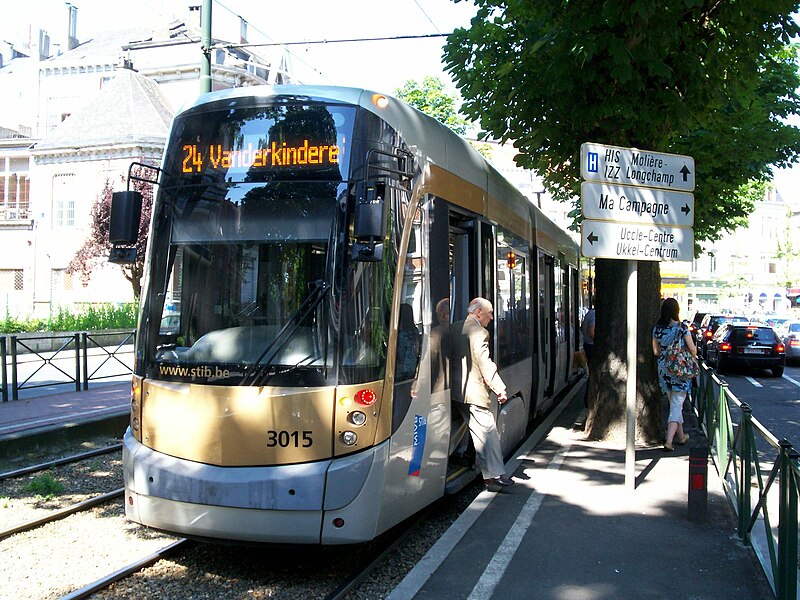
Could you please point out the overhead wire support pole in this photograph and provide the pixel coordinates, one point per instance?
(205, 47)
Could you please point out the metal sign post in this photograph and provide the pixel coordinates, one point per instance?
(630, 385)
(636, 206)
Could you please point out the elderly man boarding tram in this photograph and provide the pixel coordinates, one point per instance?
(474, 374)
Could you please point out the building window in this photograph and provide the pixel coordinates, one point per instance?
(61, 280)
(773, 268)
(14, 187)
(712, 263)
(11, 280)
(64, 201)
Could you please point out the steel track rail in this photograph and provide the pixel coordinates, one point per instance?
(60, 461)
(388, 545)
(126, 571)
(62, 512)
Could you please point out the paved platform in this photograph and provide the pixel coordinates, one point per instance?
(63, 410)
(571, 530)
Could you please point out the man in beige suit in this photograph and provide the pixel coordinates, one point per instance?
(474, 374)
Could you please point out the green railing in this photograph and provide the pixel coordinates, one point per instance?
(761, 475)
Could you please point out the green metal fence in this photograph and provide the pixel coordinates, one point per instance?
(761, 475)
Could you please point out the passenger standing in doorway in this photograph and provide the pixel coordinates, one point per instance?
(587, 333)
(474, 375)
(667, 330)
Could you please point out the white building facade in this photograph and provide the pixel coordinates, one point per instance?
(72, 122)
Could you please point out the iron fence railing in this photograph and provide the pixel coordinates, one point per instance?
(761, 475)
(72, 359)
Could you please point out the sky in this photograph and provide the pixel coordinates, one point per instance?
(381, 66)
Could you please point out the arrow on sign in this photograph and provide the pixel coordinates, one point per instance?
(685, 209)
(685, 172)
(592, 238)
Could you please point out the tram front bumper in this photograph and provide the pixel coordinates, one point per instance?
(284, 503)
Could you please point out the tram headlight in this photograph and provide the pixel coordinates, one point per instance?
(380, 100)
(349, 438)
(136, 406)
(357, 418)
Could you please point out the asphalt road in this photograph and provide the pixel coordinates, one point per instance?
(775, 401)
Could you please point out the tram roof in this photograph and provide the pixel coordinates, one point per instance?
(424, 135)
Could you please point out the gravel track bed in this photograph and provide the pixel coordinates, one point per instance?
(280, 572)
(34, 495)
(75, 551)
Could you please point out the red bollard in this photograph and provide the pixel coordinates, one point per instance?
(698, 481)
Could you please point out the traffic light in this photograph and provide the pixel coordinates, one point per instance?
(511, 259)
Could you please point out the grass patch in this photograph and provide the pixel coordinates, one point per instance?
(44, 485)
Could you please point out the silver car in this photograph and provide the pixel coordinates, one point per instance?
(791, 339)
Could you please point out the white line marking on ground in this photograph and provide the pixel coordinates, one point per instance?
(499, 563)
(425, 568)
(754, 382)
(790, 380)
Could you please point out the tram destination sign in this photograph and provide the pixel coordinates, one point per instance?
(631, 166)
(633, 241)
(625, 203)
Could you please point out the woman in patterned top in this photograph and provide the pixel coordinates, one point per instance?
(668, 329)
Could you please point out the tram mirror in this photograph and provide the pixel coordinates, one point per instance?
(367, 252)
(126, 212)
(369, 220)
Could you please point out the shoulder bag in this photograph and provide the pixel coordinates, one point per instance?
(678, 361)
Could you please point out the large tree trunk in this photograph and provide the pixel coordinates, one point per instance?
(608, 372)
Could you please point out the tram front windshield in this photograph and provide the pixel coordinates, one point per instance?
(243, 248)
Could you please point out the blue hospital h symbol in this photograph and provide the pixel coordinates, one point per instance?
(592, 162)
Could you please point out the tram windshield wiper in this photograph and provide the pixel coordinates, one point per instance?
(264, 361)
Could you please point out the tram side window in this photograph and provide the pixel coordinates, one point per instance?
(409, 325)
(512, 313)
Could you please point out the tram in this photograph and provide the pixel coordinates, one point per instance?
(309, 248)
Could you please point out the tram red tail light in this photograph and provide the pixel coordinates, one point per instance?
(366, 397)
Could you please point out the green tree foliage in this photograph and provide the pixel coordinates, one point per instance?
(430, 97)
(715, 80)
(96, 247)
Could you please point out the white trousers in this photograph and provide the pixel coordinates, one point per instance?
(486, 439)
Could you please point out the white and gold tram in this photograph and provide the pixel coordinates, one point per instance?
(308, 249)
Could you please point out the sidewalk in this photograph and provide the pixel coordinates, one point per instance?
(65, 410)
(571, 530)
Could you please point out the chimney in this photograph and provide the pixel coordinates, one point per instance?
(72, 28)
(194, 16)
(44, 45)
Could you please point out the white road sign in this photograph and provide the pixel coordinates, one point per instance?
(631, 166)
(606, 239)
(609, 202)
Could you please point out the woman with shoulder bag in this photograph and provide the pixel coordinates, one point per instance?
(670, 331)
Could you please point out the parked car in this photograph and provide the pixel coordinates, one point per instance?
(791, 339)
(746, 346)
(708, 327)
(779, 323)
(694, 324)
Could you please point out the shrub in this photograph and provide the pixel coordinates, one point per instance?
(88, 318)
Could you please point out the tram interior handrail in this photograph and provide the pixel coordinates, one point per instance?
(741, 454)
